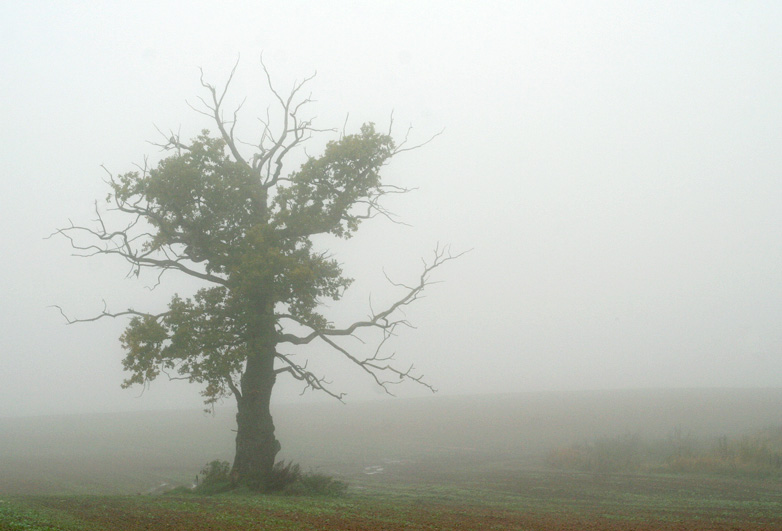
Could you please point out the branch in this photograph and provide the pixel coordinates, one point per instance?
(301, 373)
(216, 113)
(106, 313)
(381, 319)
(380, 368)
(401, 147)
(374, 207)
(292, 125)
(124, 250)
(376, 370)
(267, 163)
(121, 243)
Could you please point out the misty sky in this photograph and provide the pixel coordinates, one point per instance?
(615, 167)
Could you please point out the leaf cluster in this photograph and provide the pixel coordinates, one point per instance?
(197, 339)
(324, 191)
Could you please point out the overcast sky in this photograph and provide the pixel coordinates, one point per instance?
(615, 167)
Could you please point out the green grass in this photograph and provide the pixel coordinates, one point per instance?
(508, 498)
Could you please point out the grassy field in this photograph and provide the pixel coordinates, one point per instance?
(450, 463)
(472, 498)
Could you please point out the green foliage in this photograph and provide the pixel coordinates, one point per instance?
(14, 520)
(324, 190)
(215, 472)
(199, 199)
(285, 478)
(289, 479)
(217, 218)
(283, 475)
(214, 478)
(316, 484)
(196, 339)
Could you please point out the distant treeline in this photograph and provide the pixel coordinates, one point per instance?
(756, 454)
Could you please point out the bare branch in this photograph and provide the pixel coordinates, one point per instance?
(120, 244)
(379, 367)
(215, 112)
(375, 208)
(294, 131)
(301, 373)
(105, 313)
(172, 142)
(376, 367)
(401, 147)
(344, 126)
(382, 320)
(132, 244)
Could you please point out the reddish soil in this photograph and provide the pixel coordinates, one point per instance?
(204, 514)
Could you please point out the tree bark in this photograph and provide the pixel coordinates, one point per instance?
(256, 445)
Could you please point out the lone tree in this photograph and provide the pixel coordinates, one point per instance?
(244, 226)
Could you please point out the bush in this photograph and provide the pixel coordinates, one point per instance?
(283, 476)
(285, 479)
(215, 472)
(215, 477)
(315, 484)
(289, 479)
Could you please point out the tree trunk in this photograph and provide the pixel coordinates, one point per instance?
(256, 446)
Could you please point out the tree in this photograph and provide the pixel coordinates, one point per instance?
(245, 227)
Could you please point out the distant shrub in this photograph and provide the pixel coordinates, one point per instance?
(604, 456)
(285, 478)
(316, 484)
(758, 454)
(289, 479)
(215, 477)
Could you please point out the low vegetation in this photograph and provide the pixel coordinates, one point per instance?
(758, 454)
(420, 497)
(286, 478)
(289, 479)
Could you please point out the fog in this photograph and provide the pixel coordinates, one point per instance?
(614, 167)
(374, 444)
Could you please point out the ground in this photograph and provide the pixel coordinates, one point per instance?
(434, 464)
(406, 499)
